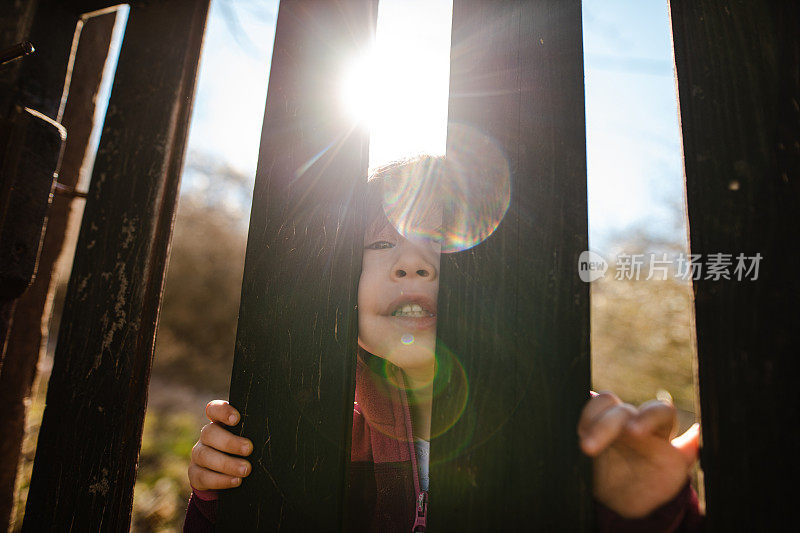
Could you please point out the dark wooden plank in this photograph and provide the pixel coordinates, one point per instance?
(29, 163)
(32, 312)
(738, 66)
(35, 81)
(87, 451)
(18, 21)
(30, 160)
(513, 310)
(296, 342)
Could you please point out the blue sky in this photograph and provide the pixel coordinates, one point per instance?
(632, 129)
(633, 140)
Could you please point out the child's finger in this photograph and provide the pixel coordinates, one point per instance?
(211, 459)
(221, 439)
(203, 479)
(655, 418)
(222, 412)
(689, 443)
(606, 428)
(594, 408)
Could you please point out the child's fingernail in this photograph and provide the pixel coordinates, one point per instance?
(235, 481)
(246, 449)
(232, 419)
(243, 470)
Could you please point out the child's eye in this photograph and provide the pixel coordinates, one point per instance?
(380, 245)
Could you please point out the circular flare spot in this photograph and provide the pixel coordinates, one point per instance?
(407, 339)
(477, 191)
(459, 201)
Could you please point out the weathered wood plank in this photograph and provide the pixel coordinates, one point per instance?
(296, 342)
(89, 442)
(32, 312)
(513, 309)
(738, 66)
(30, 160)
(37, 81)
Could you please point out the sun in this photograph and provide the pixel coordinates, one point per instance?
(359, 96)
(399, 87)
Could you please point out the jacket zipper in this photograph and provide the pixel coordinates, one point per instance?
(422, 511)
(421, 514)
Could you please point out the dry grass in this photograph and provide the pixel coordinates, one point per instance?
(641, 339)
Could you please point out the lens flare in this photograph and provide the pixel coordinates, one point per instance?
(407, 339)
(450, 391)
(411, 198)
(460, 201)
(489, 410)
(477, 190)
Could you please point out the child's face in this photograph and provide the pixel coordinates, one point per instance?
(397, 294)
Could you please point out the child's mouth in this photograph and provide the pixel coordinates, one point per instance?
(412, 311)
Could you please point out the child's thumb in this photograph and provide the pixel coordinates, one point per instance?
(689, 443)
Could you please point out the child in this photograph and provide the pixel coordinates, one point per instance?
(640, 477)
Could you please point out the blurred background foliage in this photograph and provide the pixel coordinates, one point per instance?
(640, 335)
(641, 331)
(197, 324)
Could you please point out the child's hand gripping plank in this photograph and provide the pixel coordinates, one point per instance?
(213, 466)
(636, 466)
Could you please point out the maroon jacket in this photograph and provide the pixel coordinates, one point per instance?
(383, 488)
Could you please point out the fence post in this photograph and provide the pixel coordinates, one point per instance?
(513, 310)
(89, 442)
(32, 312)
(35, 81)
(739, 94)
(293, 372)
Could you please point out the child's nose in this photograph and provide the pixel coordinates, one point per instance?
(412, 264)
(421, 272)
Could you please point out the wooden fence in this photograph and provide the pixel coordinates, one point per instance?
(517, 75)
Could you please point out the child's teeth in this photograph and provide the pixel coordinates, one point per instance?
(411, 310)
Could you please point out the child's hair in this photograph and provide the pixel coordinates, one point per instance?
(404, 192)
